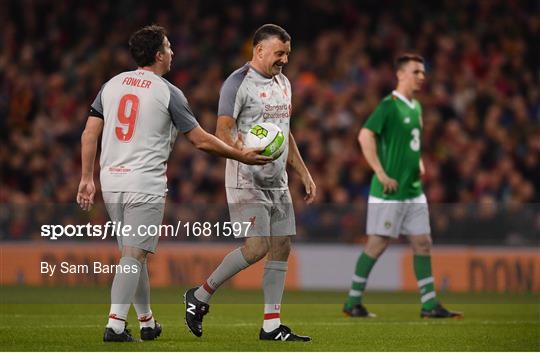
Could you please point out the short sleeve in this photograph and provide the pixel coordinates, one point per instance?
(96, 108)
(378, 118)
(229, 94)
(181, 113)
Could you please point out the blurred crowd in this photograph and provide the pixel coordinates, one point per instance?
(481, 101)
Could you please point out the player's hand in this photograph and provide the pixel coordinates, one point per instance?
(311, 189)
(250, 155)
(85, 194)
(389, 185)
(253, 156)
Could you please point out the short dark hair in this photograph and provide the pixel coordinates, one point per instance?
(270, 30)
(145, 43)
(405, 58)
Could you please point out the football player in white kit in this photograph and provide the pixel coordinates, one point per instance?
(139, 113)
(258, 92)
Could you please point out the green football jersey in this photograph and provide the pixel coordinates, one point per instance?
(397, 124)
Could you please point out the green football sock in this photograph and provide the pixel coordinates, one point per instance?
(363, 268)
(422, 269)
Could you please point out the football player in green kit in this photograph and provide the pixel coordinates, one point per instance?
(390, 141)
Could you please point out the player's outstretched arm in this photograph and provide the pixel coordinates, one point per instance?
(296, 161)
(368, 143)
(209, 143)
(89, 139)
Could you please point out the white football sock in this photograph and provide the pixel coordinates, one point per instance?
(146, 320)
(122, 293)
(141, 300)
(273, 285)
(233, 263)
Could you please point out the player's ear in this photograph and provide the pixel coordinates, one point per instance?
(399, 74)
(159, 56)
(259, 48)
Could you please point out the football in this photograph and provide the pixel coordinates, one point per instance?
(268, 136)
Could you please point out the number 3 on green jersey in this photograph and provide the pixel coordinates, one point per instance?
(415, 141)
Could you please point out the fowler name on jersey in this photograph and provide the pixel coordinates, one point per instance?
(136, 82)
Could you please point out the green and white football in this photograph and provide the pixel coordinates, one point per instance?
(268, 136)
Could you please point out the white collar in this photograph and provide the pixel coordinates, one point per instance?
(403, 98)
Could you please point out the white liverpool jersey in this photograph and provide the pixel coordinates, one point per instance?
(142, 113)
(250, 98)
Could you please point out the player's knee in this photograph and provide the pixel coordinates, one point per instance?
(280, 247)
(138, 254)
(255, 250)
(376, 245)
(256, 254)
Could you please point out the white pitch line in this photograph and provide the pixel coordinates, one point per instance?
(354, 322)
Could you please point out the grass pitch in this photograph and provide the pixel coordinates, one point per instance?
(72, 319)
